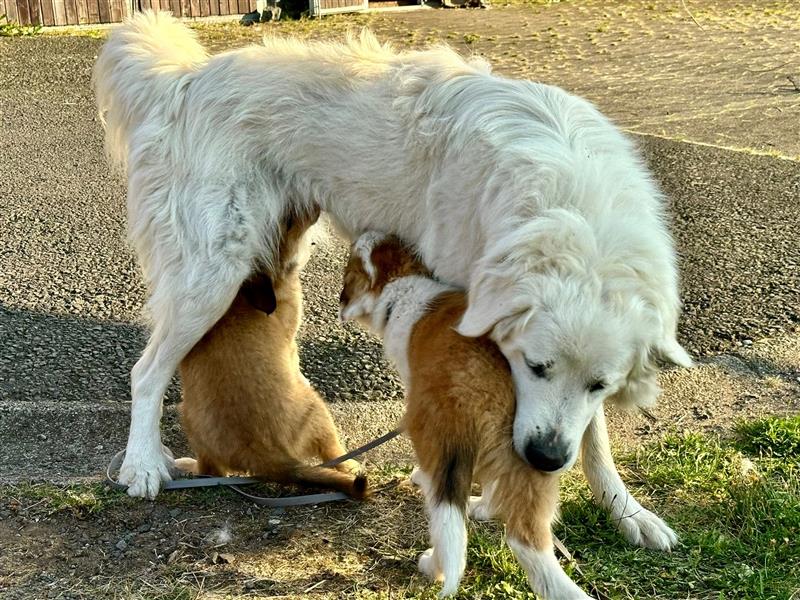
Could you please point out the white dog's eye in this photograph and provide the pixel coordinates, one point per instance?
(538, 369)
(596, 386)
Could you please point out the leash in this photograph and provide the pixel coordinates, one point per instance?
(233, 483)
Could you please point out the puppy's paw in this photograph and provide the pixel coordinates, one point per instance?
(428, 565)
(186, 465)
(643, 528)
(478, 509)
(144, 472)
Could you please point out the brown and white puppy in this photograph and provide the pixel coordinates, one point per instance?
(246, 406)
(459, 416)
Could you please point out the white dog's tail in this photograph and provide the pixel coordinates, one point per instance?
(140, 74)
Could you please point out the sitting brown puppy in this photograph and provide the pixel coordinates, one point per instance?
(246, 406)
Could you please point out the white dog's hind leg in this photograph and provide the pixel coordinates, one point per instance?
(480, 507)
(639, 526)
(545, 575)
(182, 313)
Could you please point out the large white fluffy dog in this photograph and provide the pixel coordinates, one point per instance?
(520, 192)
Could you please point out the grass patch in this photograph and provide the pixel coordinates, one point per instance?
(734, 503)
(80, 500)
(9, 28)
(771, 437)
(736, 508)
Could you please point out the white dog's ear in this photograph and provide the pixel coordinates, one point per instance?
(641, 388)
(490, 301)
(671, 351)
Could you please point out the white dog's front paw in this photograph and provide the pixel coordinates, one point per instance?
(478, 509)
(144, 473)
(643, 528)
(428, 566)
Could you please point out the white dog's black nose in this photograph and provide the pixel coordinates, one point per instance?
(545, 457)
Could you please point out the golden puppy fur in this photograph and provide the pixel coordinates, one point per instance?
(459, 415)
(247, 408)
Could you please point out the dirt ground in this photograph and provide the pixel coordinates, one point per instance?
(724, 80)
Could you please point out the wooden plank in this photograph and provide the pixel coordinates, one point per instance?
(71, 11)
(93, 11)
(59, 12)
(48, 12)
(10, 10)
(104, 8)
(115, 7)
(242, 7)
(23, 14)
(213, 7)
(195, 8)
(35, 11)
(83, 13)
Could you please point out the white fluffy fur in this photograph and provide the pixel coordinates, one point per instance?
(519, 191)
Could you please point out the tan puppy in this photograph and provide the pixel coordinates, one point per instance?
(247, 408)
(459, 416)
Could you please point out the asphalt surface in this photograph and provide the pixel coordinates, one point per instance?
(71, 295)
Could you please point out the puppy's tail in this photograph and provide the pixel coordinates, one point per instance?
(354, 486)
(141, 74)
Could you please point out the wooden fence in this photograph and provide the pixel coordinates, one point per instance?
(82, 12)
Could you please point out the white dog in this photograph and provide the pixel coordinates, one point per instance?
(519, 192)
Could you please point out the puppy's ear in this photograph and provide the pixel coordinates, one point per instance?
(363, 249)
(491, 299)
(260, 294)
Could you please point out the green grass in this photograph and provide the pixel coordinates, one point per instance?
(735, 505)
(773, 438)
(80, 500)
(9, 28)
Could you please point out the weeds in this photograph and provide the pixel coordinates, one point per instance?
(9, 28)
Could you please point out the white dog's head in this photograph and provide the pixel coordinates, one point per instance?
(575, 330)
